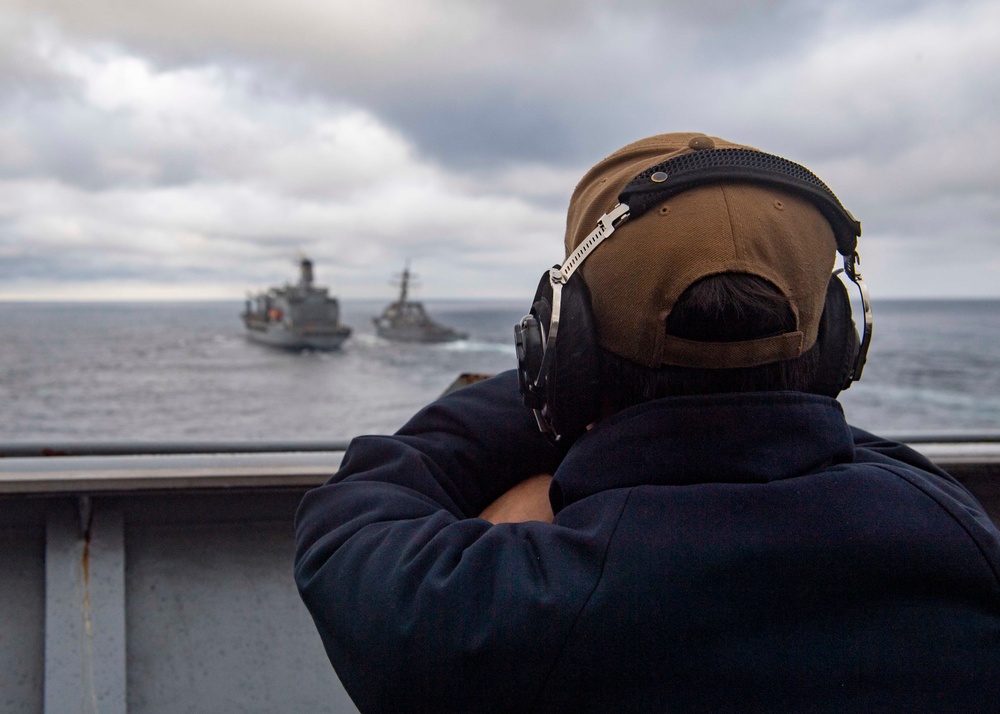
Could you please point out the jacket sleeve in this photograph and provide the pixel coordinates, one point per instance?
(422, 606)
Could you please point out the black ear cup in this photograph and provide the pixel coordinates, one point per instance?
(529, 341)
(574, 399)
(837, 341)
(560, 381)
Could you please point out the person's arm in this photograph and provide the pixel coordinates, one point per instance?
(527, 501)
(481, 440)
(421, 605)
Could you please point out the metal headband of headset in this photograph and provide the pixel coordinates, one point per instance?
(657, 183)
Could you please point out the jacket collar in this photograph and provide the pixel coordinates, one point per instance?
(754, 437)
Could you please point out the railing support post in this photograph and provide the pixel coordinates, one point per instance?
(84, 609)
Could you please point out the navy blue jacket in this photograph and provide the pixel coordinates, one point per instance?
(732, 553)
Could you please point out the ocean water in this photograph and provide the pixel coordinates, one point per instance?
(166, 372)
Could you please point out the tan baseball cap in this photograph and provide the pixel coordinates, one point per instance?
(731, 226)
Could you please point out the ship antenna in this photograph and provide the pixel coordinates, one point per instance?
(405, 282)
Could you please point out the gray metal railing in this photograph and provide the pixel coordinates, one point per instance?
(156, 577)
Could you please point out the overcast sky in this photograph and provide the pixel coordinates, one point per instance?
(162, 149)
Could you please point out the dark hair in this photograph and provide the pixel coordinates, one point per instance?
(728, 307)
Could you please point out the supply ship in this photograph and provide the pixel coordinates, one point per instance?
(296, 317)
(406, 320)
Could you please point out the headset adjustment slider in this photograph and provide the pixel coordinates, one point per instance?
(606, 225)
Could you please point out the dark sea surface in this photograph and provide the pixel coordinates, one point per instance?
(185, 371)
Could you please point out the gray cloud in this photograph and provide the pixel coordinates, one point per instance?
(173, 141)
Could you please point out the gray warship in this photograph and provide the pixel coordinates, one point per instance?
(406, 320)
(296, 317)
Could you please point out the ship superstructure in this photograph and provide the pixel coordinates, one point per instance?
(406, 320)
(300, 316)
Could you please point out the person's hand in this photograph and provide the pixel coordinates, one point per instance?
(527, 501)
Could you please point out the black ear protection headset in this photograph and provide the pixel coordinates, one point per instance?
(558, 370)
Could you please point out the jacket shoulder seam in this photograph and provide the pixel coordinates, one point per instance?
(994, 567)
